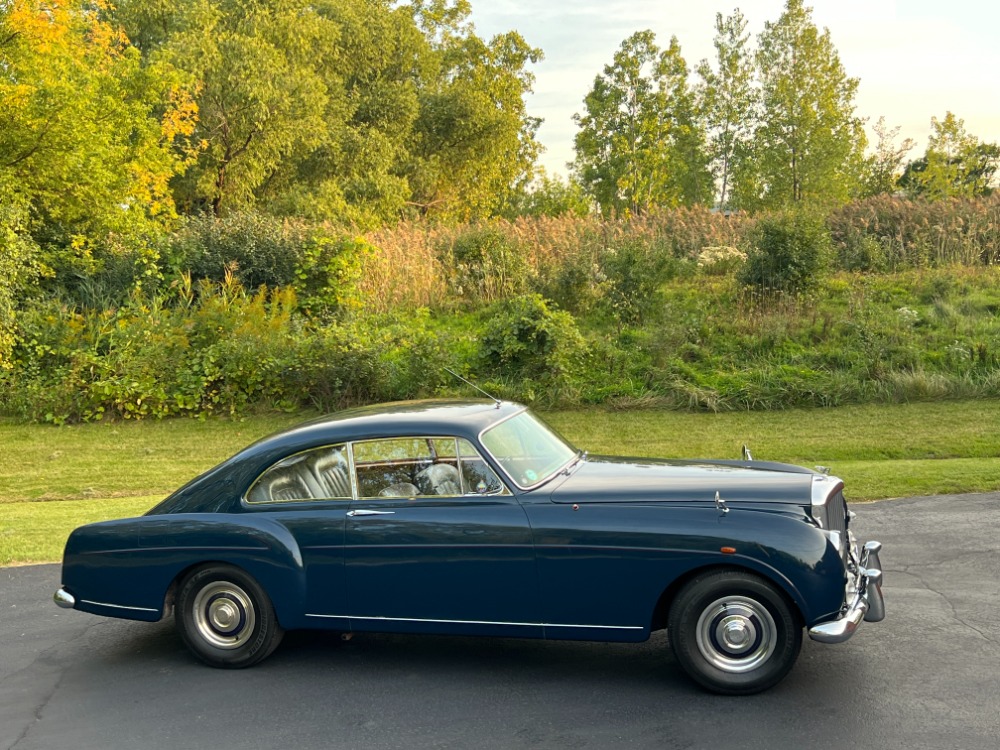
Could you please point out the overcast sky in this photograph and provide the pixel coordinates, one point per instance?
(915, 58)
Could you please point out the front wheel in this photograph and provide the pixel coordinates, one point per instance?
(733, 632)
(226, 618)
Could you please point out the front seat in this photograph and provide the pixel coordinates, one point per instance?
(439, 479)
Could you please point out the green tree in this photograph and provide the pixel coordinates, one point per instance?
(473, 142)
(808, 145)
(548, 196)
(728, 99)
(352, 110)
(884, 167)
(85, 131)
(956, 163)
(641, 143)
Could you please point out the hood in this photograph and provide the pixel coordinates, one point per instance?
(603, 479)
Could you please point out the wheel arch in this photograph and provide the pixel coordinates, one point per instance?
(661, 611)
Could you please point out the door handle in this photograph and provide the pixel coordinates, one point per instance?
(366, 512)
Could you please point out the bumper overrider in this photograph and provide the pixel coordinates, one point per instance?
(863, 600)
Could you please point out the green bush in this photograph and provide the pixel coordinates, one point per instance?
(633, 272)
(257, 250)
(18, 267)
(484, 264)
(789, 252)
(527, 341)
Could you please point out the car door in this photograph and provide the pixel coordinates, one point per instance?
(436, 543)
(310, 493)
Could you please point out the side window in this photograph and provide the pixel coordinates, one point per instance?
(318, 474)
(422, 467)
(477, 475)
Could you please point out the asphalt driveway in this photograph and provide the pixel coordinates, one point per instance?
(927, 677)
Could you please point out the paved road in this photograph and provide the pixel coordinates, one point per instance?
(927, 677)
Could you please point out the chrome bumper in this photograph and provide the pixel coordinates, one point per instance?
(64, 599)
(865, 603)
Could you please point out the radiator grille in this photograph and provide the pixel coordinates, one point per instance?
(836, 514)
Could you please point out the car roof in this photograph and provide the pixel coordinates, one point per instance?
(211, 491)
(462, 417)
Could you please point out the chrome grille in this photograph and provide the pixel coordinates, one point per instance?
(836, 514)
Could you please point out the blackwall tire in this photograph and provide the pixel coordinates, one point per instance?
(226, 618)
(734, 633)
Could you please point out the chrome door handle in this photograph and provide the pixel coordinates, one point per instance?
(366, 512)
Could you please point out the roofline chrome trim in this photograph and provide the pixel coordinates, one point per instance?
(118, 606)
(503, 469)
(477, 622)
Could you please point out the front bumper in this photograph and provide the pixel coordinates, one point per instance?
(863, 601)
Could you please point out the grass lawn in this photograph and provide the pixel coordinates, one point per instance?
(55, 478)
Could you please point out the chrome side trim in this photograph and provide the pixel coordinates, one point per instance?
(64, 599)
(476, 622)
(118, 606)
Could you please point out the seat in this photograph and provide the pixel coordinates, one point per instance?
(439, 479)
(288, 486)
(400, 489)
(331, 472)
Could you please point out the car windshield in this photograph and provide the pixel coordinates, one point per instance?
(528, 450)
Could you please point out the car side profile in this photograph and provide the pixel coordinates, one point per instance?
(473, 517)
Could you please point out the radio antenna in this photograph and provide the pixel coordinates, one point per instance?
(467, 382)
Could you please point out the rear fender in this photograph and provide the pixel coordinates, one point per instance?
(126, 568)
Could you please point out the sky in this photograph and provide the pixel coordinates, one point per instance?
(915, 59)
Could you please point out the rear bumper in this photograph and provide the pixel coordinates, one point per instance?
(863, 600)
(64, 599)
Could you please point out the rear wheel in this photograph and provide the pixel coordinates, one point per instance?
(226, 618)
(733, 632)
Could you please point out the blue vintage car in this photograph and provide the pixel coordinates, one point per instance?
(475, 518)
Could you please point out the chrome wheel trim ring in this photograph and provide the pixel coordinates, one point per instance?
(736, 634)
(224, 615)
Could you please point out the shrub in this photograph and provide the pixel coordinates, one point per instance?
(328, 274)
(485, 264)
(788, 253)
(258, 250)
(633, 273)
(525, 339)
(18, 267)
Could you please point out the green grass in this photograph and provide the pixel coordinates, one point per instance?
(53, 479)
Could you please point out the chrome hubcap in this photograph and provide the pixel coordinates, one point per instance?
(224, 615)
(736, 634)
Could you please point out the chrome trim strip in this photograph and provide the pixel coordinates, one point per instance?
(118, 606)
(478, 622)
(64, 599)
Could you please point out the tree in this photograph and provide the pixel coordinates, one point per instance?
(809, 145)
(85, 132)
(641, 143)
(473, 141)
(956, 163)
(351, 110)
(548, 196)
(883, 168)
(728, 99)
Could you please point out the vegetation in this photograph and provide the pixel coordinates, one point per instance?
(212, 207)
(55, 480)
